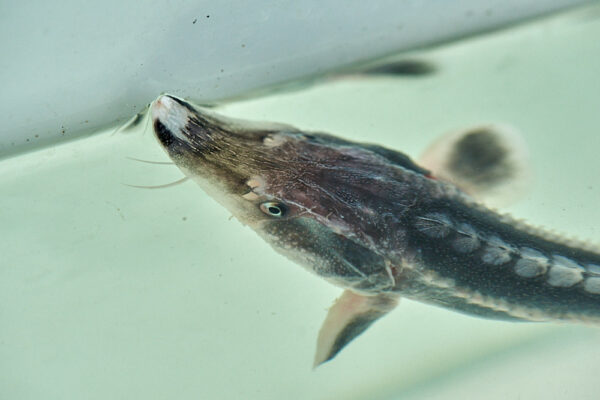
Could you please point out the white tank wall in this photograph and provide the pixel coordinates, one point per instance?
(69, 68)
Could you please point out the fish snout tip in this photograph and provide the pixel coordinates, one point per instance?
(162, 106)
(169, 117)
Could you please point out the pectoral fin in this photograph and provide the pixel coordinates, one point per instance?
(489, 162)
(350, 315)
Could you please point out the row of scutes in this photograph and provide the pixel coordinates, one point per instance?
(559, 271)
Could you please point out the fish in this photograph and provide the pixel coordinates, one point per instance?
(381, 226)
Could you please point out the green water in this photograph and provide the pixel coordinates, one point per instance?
(113, 292)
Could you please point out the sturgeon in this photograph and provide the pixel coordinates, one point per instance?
(373, 222)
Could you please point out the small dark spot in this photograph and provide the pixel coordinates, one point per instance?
(195, 20)
(243, 45)
(184, 218)
(208, 16)
(222, 70)
(27, 140)
(412, 68)
(37, 136)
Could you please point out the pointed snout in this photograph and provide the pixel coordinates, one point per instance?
(169, 118)
(170, 111)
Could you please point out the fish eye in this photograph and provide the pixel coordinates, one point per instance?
(273, 209)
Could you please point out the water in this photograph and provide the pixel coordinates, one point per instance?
(108, 291)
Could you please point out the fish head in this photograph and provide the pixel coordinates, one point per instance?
(228, 158)
(315, 198)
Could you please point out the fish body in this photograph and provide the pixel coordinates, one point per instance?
(380, 226)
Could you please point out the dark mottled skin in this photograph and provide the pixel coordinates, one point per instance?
(351, 216)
